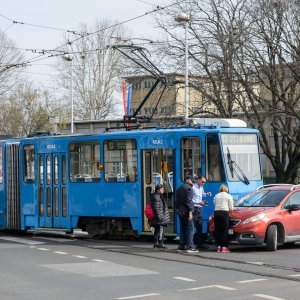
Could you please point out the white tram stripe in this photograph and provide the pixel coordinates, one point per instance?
(184, 279)
(60, 252)
(137, 296)
(267, 297)
(251, 280)
(79, 256)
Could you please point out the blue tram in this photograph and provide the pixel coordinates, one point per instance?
(102, 182)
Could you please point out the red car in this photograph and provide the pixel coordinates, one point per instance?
(269, 215)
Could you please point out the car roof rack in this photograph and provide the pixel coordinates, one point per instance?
(276, 184)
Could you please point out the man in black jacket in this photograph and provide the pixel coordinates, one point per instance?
(185, 210)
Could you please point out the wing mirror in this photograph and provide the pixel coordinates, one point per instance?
(293, 207)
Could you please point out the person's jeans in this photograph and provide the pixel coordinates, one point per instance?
(186, 233)
(197, 218)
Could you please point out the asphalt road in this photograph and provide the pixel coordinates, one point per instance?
(47, 267)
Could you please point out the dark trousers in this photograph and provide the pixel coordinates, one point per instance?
(159, 234)
(186, 232)
(197, 217)
(221, 221)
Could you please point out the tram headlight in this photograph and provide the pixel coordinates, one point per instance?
(255, 218)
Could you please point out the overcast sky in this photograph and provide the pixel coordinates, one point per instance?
(68, 14)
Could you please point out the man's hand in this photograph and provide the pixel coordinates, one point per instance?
(190, 217)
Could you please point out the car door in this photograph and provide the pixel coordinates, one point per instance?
(291, 219)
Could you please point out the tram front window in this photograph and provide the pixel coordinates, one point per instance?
(241, 157)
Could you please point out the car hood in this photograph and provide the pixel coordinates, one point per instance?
(248, 212)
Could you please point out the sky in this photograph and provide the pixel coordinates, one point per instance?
(68, 14)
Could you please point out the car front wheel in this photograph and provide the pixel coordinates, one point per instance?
(271, 238)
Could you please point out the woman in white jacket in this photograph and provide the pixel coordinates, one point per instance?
(223, 203)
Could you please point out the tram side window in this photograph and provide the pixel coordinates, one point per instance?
(215, 167)
(84, 162)
(190, 157)
(1, 165)
(120, 161)
(28, 158)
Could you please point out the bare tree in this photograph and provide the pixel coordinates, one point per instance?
(28, 110)
(96, 71)
(10, 59)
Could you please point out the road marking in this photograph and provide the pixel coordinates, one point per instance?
(43, 249)
(98, 260)
(210, 286)
(251, 280)
(295, 275)
(60, 252)
(137, 296)
(184, 279)
(79, 256)
(267, 297)
(20, 240)
(260, 263)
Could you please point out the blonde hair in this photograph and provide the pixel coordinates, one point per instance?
(223, 188)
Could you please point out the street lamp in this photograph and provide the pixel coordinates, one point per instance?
(183, 17)
(68, 57)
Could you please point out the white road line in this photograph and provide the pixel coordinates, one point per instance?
(98, 260)
(260, 263)
(20, 240)
(79, 256)
(184, 279)
(267, 297)
(137, 296)
(43, 249)
(209, 286)
(251, 280)
(295, 275)
(60, 252)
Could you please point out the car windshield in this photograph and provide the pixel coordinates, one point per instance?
(262, 198)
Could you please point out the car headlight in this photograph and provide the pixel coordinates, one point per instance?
(254, 218)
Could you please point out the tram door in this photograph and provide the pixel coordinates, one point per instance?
(158, 165)
(52, 196)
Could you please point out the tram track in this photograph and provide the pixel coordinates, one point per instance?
(230, 264)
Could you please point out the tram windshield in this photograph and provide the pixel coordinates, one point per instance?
(241, 157)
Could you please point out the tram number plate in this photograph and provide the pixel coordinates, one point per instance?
(230, 231)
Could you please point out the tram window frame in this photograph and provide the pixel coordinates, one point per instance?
(215, 166)
(195, 168)
(29, 163)
(1, 164)
(82, 168)
(124, 169)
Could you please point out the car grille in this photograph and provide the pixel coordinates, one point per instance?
(234, 222)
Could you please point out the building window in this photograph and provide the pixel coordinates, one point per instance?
(120, 161)
(84, 162)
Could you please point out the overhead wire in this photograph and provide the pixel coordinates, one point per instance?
(41, 57)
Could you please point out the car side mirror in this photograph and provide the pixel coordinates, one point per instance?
(293, 207)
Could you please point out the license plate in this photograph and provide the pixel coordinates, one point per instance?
(230, 231)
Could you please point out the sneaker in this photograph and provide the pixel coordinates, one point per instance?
(179, 249)
(192, 250)
(219, 249)
(202, 247)
(225, 250)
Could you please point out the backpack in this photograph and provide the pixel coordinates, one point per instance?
(149, 212)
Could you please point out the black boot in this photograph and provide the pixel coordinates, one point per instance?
(161, 245)
(155, 245)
